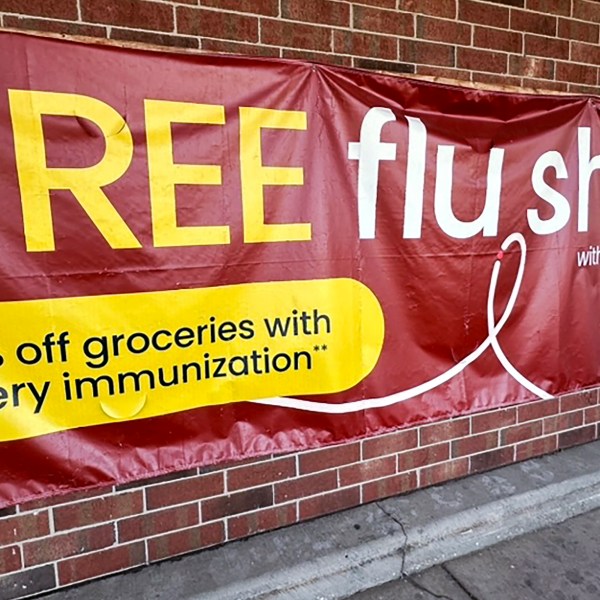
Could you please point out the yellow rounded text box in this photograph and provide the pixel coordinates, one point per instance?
(75, 362)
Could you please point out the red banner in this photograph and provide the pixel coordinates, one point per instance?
(212, 258)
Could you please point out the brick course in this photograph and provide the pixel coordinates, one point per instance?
(546, 45)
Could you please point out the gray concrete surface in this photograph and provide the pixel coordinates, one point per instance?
(340, 555)
(561, 562)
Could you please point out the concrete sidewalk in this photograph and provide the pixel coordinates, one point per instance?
(343, 554)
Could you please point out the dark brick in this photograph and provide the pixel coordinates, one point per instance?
(492, 460)
(574, 437)
(154, 523)
(27, 583)
(223, 506)
(215, 24)
(383, 65)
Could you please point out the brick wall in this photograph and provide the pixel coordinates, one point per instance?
(542, 44)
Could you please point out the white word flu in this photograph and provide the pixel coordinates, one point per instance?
(370, 151)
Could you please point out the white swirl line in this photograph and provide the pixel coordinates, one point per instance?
(491, 340)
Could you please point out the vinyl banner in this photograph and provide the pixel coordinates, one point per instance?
(208, 258)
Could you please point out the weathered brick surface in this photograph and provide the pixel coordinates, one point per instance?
(545, 45)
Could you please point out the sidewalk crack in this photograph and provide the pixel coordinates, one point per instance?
(410, 578)
(458, 582)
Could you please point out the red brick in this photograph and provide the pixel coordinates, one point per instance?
(8, 511)
(101, 563)
(586, 10)
(574, 73)
(496, 39)
(263, 520)
(556, 7)
(481, 60)
(187, 540)
(295, 35)
(383, 21)
(440, 432)
(390, 443)
(522, 20)
(474, 444)
(531, 67)
(444, 472)
(10, 559)
(426, 53)
(324, 504)
(562, 422)
(367, 470)
(438, 8)
(537, 447)
(519, 3)
(422, 457)
(492, 460)
(542, 86)
(156, 39)
(58, 9)
(590, 90)
(56, 547)
(233, 504)
(483, 13)
(503, 81)
(574, 437)
(495, 419)
(540, 408)
(441, 30)
(64, 27)
(259, 7)
(141, 14)
(24, 527)
(326, 458)
(210, 23)
(390, 486)
(578, 30)
(524, 431)
(536, 45)
(184, 490)
(578, 400)
(156, 522)
(309, 485)
(592, 414)
(95, 511)
(261, 473)
(239, 48)
(319, 12)
(365, 44)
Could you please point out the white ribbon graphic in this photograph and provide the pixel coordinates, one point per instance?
(492, 340)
